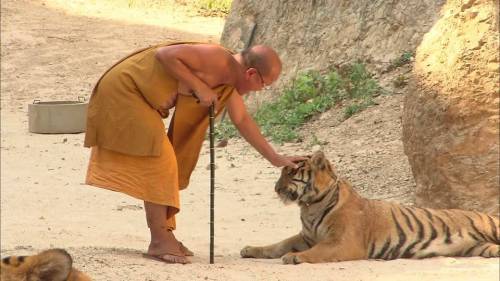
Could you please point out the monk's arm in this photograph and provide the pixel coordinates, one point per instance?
(187, 64)
(251, 132)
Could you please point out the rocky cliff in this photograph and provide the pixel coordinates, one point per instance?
(319, 34)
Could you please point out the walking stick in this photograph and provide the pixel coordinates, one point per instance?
(212, 181)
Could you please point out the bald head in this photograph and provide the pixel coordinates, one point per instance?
(264, 59)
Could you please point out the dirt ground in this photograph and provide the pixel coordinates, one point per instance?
(49, 53)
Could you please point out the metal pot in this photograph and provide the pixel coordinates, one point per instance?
(57, 117)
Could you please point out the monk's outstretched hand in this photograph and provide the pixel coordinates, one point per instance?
(289, 161)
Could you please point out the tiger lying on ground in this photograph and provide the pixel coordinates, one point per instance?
(340, 225)
(49, 265)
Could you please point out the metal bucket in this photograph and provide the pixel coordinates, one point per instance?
(57, 117)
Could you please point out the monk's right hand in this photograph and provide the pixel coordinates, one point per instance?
(206, 98)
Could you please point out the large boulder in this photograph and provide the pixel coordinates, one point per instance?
(451, 112)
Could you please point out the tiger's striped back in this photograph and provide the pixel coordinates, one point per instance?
(423, 233)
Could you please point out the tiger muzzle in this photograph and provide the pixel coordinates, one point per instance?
(284, 192)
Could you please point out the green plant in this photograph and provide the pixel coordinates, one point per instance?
(405, 58)
(361, 83)
(225, 130)
(311, 93)
(156, 4)
(350, 110)
(316, 141)
(204, 7)
(211, 7)
(400, 81)
(356, 107)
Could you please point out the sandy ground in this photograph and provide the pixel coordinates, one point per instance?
(51, 54)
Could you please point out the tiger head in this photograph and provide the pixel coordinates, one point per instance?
(53, 265)
(309, 182)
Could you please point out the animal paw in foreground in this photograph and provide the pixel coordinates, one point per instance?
(291, 258)
(250, 252)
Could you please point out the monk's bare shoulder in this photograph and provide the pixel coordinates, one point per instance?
(198, 55)
(214, 56)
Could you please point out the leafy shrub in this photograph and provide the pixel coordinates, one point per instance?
(311, 93)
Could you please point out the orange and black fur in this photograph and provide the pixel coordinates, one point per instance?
(49, 265)
(340, 225)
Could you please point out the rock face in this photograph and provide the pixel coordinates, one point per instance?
(319, 34)
(451, 113)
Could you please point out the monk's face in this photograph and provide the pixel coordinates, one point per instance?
(256, 81)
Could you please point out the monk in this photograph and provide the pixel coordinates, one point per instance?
(130, 149)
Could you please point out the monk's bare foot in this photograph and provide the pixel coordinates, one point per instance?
(167, 258)
(185, 250)
(168, 250)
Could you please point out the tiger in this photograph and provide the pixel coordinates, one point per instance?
(48, 265)
(340, 225)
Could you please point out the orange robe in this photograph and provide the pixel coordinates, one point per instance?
(131, 152)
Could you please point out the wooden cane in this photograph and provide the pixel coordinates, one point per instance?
(212, 180)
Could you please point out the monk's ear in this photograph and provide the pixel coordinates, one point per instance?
(250, 72)
(319, 161)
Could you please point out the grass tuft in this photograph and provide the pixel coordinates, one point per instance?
(217, 8)
(405, 58)
(311, 93)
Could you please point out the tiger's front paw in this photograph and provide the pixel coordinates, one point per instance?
(251, 252)
(291, 258)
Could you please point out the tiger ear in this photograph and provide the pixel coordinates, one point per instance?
(319, 161)
(52, 265)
